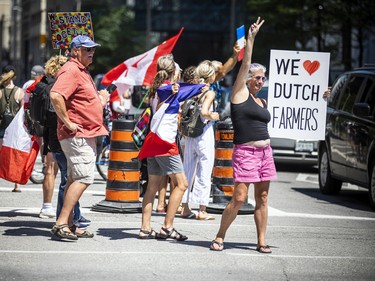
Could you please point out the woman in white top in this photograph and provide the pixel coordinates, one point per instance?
(199, 152)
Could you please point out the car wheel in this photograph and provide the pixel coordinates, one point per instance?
(327, 184)
(372, 186)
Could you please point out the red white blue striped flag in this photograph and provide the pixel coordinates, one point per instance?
(161, 140)
(241, 41)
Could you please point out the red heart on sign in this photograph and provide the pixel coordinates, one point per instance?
(311, 67)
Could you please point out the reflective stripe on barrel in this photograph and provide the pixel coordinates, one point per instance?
(123, 167)
(222, 175)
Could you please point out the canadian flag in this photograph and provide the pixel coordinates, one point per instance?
(139, 70)
(19, 151)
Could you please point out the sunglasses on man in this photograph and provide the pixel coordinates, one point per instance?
(88, 49)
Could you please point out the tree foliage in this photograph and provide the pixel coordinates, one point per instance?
(114, 31)
(334, 26)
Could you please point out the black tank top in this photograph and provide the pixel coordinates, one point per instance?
(9, 95)
(249, 121)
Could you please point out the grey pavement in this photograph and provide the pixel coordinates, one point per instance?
(313, 237)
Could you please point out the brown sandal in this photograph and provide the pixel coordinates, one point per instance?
(173, 234)
(84, 234)
(148, 234)
(59, 231)
(265, 249)
(219, 244)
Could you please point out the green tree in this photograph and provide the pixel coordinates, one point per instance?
(335, 26)
(114, 31)
(353, 21)
(284, 26)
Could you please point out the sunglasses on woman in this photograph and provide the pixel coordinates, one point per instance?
(264, 79)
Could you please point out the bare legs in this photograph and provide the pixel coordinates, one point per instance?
(148, 200)
(231, 210)
(16, 188)
(186, 211)
(73, 192)
(260, 213)
(261, 210)
(49, 178)
(162, 195)
(16, 185)
(202, 213)
(180, 183)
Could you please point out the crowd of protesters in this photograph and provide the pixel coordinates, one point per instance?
(70, 139)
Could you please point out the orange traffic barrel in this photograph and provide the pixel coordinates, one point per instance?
(222, 174)
(122, 189)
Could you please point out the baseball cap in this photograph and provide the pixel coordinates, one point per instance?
(37, 70)
(82, 41)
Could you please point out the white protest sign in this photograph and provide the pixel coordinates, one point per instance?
(295, 94)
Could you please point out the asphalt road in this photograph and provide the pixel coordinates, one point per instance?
(313, 237)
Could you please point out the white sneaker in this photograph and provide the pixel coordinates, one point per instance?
(47, 213)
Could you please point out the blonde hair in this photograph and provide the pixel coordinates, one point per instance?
(54, 64)
(204, 71)
(217, 64)
(165, 71)
(189, 75)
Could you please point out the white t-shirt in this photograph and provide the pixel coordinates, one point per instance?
(24, 87)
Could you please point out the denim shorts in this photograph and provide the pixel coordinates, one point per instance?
(81, 157)
(164, 165)
(253, 164)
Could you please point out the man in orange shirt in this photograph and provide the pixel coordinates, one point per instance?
(79, 107)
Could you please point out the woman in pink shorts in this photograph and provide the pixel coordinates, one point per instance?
(252, 155)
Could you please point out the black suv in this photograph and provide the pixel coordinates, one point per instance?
(348, 152)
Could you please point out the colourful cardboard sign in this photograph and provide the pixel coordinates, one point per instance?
(65, 26)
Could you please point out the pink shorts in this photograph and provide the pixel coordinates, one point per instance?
(253, 164)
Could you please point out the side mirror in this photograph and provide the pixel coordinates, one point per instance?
(361, 109)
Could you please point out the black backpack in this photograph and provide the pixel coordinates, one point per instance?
(39, 104)
(138, 97)
(191, 124)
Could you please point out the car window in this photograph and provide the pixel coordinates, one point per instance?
(263, 93)
(369, 94)
(350, 93)
(336, 90)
